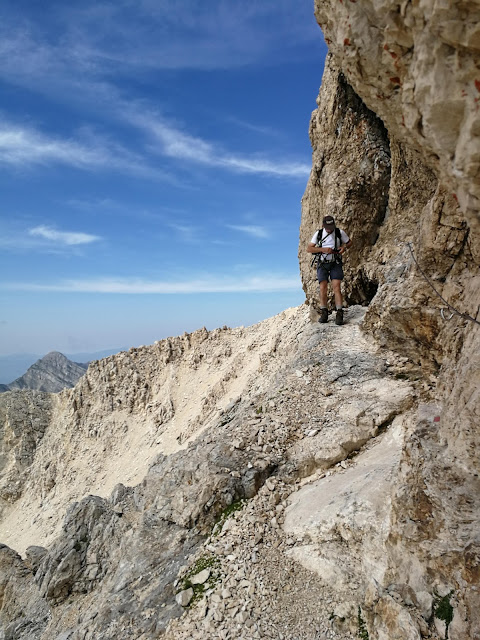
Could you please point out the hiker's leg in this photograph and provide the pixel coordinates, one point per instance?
(323, 293)
(337, 289)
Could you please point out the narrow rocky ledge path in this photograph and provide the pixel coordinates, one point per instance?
(295, 561)
(269, 521)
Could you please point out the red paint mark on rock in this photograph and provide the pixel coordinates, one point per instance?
(392, 53)
(436, 419)
(346, 42)
(455, 196)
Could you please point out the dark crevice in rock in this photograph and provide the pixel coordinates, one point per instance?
(364, 289)
(370, 189)
(347, 101)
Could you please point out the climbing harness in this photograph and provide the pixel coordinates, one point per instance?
(319, 259)
(454, 311)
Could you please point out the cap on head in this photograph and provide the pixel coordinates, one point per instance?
(328, 223)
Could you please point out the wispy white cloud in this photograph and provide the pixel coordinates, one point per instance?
(23, 147)
(17, 237)
(177, 144)
(260, 165)
(95, 204)
(254, 230)
(67, 42)
(256, 128)
(208, 284)
(70, 53)
(63, 237)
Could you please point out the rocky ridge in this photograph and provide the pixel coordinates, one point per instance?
(129, 408)
(118, 565)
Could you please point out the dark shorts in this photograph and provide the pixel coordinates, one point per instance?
(329, 271)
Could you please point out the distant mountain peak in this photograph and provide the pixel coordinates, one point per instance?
(53, 357)
(53, 373)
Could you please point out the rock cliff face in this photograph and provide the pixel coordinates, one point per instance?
(291, 479)
(395, 159)
(415, 64)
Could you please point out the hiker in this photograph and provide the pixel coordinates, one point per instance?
(329, 244)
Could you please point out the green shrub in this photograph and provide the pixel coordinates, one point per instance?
(204, 562)
(443, 610)
(362, 626)
(237, 505)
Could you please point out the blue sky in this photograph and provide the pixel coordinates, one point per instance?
(153, 155)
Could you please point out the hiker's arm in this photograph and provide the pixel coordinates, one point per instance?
(345, 246)
(312, 248)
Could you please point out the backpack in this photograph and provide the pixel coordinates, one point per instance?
(316, 260)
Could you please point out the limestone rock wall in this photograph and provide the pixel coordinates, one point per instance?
(384, 195)
(415, 64)
(415, 67)
(343, 183)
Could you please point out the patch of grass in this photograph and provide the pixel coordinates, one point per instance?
(259, 410)
(443, 610)
(362, 626)
(204, 562)
(237, 505)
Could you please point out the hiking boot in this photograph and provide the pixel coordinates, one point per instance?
(323, 315)
(339, 317)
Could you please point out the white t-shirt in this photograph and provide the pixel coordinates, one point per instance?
(328, 240)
